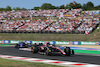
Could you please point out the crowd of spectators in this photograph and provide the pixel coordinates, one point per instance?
(88, 25)
(33, 13)
(11, 25)
(91, 20)
(67, 21)
(66, 26)
(24, 25)
(34, 25)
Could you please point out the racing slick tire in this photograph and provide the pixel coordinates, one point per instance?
(73, 52)
(67, 51)
(34, 49)
(16, 46)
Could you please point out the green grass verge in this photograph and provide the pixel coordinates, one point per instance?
(14, 63)
(87, 51)
(50, 37)
(6, 45)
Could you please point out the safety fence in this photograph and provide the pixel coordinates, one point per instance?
(55, 42)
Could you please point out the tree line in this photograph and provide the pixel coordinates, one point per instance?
(74, 5)
(8, 8)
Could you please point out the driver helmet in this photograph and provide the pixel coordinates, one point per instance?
(48, 43)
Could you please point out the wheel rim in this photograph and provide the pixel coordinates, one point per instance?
(66, 50)
(32, 49)
(47, 51)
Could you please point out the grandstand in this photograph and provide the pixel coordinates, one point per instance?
(73, 21)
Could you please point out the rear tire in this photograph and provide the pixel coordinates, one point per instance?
(34, 49)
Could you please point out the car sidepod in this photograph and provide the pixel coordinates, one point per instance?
(61, 50)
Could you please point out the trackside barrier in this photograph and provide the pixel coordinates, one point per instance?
(62, 42)
(38, 42)
(0, 41)
(13, 41)
(55, 42)
(76, 43)
(5, 41)
(88, 43)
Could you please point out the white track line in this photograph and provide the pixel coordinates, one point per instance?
(55, 62)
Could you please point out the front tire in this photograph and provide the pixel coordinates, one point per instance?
(16, 46)
(67, 51)
(73, 52)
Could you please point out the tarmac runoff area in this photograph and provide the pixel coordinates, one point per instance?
(84, 46)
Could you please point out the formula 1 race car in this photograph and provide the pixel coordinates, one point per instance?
(21, 45)
(50, 49)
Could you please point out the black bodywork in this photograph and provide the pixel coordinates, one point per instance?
(49, 50)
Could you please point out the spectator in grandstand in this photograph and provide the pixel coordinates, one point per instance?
(97, 28)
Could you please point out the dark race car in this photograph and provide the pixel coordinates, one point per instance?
(50, 49)
(21, 45)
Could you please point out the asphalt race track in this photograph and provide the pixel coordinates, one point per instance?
(74, 58)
